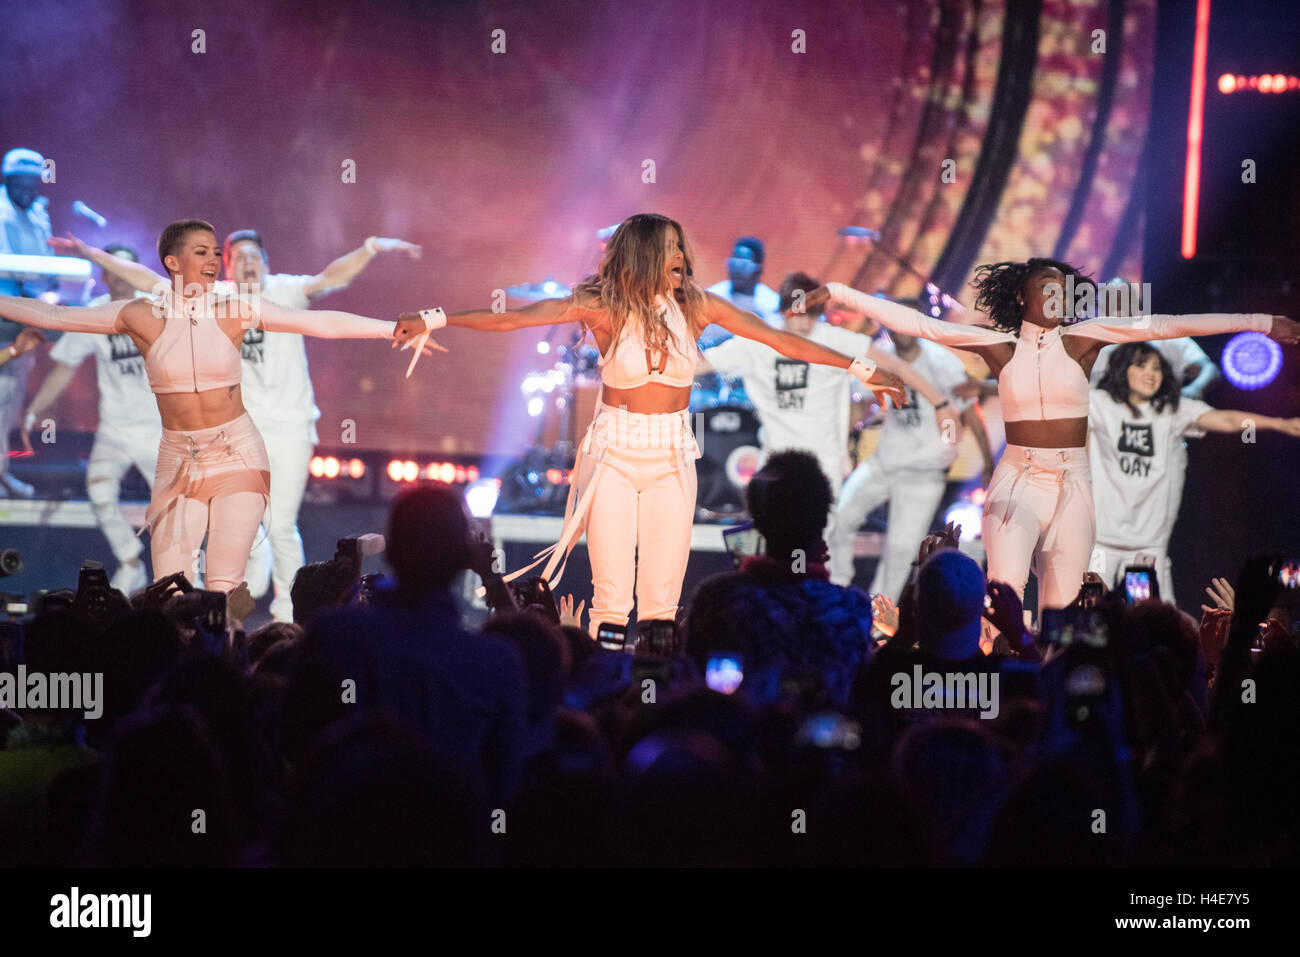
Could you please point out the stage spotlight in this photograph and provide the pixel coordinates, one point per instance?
(316, 466)
(356, 468)
(1251, 360)
(968, 515)
(481, 497)
(535, 406)
(395, 470)
(447, 473)
(410, 471)
(331, 467)
(1227, 83)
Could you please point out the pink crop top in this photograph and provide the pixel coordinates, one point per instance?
(631, 363)
(1041, 381)
(193, 354)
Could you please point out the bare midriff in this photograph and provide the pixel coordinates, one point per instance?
(653, 397)
(1049, 433)
(192, 411)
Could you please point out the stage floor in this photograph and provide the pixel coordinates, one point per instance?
(54, 537)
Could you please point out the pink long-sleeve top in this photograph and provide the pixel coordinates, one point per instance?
(193, 353)
(1042, 381)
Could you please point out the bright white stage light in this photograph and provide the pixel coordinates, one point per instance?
(481, 497)
(968, 515)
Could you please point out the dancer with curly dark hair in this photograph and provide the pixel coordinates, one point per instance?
(1039, 509)
(1138, 418)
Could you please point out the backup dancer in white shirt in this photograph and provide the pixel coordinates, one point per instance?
(802, 405)
(129, 429)
(909, 468)
(633, 488)
(1137, 421)
(1039, 509)
(278, 391)
(1193, 370)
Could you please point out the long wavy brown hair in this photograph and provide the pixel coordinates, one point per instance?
(633, 273)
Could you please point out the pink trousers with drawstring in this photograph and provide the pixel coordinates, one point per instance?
(212, 482)
(1039, 512)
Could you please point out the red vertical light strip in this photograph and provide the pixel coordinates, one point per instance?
(1195, 122)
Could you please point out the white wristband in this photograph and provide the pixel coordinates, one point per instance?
(372, 245)
(433, 318)
(863, 368)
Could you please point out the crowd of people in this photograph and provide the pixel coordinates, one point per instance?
(783, 720)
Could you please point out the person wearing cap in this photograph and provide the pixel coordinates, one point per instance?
(743, 290)
(24, 230)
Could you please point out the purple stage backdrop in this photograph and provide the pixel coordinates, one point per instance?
(503, 165)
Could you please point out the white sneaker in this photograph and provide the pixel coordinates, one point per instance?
(130, 577)
(10, 486)
(258, 573)
(282, 608)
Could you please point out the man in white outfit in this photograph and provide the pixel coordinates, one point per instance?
(129, 431)
(800, 405)
(278, 391)
(909, 468)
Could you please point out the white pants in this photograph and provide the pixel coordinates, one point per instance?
(13, 394)
(289, 451)
(1109, 561)
(912, 494)
(1039, 512)
(111, 457)
(633, 491)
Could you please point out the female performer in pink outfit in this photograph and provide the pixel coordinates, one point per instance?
(634, 483)
(1039, 507)
(213, 477)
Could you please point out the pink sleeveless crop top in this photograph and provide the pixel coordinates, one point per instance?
(193, 354)
(631, 363)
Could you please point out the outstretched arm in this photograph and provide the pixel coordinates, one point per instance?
(340, 273)
(1146, 328)
(258, 312)
(1229, 420)
(910, 322)
(140, 277)
(32, 312)
(748, 326)
(544, 312)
